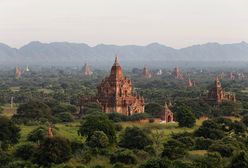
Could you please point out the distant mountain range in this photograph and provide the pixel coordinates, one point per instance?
(64, 53)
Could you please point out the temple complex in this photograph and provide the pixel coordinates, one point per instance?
(146, 73)
(167, 115)
(86, 70)
(178, 74)
(115, 93)
(217, 94)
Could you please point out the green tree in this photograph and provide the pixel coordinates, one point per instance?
(225, 150)
(64, 117)
(123, 156)
(134, 138)
(9, 132)
(54, 150)
(25, 151)
(245, 119)
(157, 163)
(174, 149)
(154, 109)
(98, 140)
(185, 117)
(209, 129)
(240, 160)
(32, 111)
(38, 134)
(182, 164)
(210, 160)
(98, 122)
(239, 127)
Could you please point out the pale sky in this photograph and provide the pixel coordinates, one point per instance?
(175, 23)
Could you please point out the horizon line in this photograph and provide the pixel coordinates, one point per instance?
(139, 45)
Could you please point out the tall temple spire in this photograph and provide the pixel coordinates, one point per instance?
(116, 60)
(166, 106)
(217, 82)
(116, 70)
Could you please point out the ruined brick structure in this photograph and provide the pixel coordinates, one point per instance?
(178, 74)
(231, 76)
(115, 93)
(190, 83)
(18, 72)
(217, 94)
(86, 70)
(167, 115)
(146, 73)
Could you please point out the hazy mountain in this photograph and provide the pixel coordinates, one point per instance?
(64, 53)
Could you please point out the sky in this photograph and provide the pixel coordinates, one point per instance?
(175, 23)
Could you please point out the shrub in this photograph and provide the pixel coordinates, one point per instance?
(157, 163)
(134, 138)
(182, 164)
(185, 117)
(210, 160)
(240, 160)
(117, 117)
(209, 129)
(202, 143)
(225, 150)
(98, 140)
(25, 151)
(174, 149)
(9, 132)
(64, 117)
(123, 156)
(98, 122)
(54, 150)
(239, 127)
(38, 134)
(21, 164)
(245, 119)
(139, 116)
(154, 109)
(34, 111)
(118, 127)
(5, 158)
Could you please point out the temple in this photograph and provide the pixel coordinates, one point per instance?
(167, 115)
(18, 72)
(190, 83)
(217, 94)
(115, 93)
(146, 73)
(231, 76)
(159, 72)
(86, 70)
(178, 74)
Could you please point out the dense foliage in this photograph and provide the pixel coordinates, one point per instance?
(89, 138)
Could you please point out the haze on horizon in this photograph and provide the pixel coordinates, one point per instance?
(175, 23)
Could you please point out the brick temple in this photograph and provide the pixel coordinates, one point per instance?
(217, 94)
(87, 70)
(115, 93)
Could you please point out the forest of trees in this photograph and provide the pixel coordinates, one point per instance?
(49, 98)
